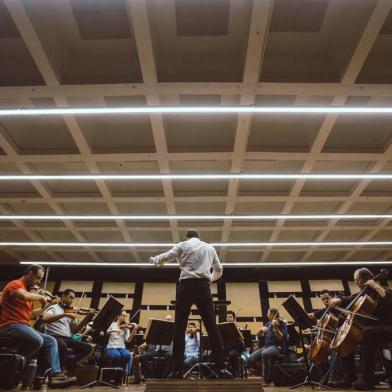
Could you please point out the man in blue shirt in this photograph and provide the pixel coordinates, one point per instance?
(275, 333)
(192, 343)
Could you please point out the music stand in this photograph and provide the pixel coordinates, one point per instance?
(101, 324)
(230, 333)
(247, 334)
(137, 340)
(159, 333)
(303, 321)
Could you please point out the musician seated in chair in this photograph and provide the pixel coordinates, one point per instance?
(234, 350)
(150, 351)
(61, 324)
(16, 313)
(325, 296)
(334, 375)
(375, 333)
(120, 332)
(192, 344)
(275, 332)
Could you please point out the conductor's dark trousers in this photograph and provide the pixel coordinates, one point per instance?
(189, 292)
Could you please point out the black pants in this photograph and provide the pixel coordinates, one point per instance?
(373, 338)
(189, 292)
(81, 349)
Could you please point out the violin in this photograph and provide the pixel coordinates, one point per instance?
(79, 310)
(48, 295)
(129, 325)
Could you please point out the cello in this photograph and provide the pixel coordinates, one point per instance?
(358, 312)
(321, 345)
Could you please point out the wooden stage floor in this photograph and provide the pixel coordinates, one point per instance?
(142, 387)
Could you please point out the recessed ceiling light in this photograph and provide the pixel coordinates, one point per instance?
(260, 264)
(194, 217)
(196, 110)
(168, 245)
(203, 177)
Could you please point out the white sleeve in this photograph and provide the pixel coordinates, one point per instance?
(51, 310)
(112, 328)
(217, 268)
(167, 257)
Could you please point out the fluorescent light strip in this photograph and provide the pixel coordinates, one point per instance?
(168, 245)
(197, 110)
(192, 217)
(226, 265)
(207, 177)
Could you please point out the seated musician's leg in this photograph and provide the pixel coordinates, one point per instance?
(82, 349)
(372, 338)
(234, 356)
(145, 359)
(267, 355)
(349, 373)
(51, 350)
(337, 371)
(29, 340)
(113, 355)
(62, 350)
(254, 360)
(189, 361)
(126, 359)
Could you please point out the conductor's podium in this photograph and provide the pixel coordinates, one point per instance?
(204, 385)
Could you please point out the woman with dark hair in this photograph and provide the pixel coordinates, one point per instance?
(120, 332)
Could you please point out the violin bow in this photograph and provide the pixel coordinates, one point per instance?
(135, 314)
(46, 278)
(80, 301)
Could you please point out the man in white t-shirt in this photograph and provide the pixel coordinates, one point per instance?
(62, 325)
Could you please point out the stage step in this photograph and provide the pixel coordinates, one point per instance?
(204, 385)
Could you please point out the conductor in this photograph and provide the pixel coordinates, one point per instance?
(196, 259)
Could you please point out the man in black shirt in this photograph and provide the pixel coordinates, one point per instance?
(275, 332)
(325, 296)
(334, 375)
(374, 335)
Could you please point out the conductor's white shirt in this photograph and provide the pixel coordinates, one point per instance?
(195, 257)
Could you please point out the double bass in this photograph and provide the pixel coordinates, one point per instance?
(358, 312)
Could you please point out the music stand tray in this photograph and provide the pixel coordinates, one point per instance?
(303, 321)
